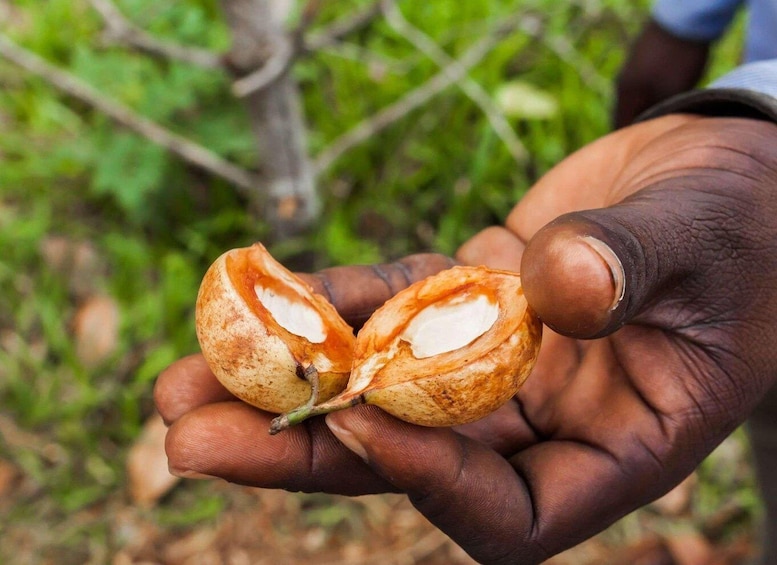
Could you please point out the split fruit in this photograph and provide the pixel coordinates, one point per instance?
(447, 350)
(262, 330)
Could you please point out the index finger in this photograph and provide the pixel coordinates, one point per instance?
(230, 440)
(357, 290)
(185, 385)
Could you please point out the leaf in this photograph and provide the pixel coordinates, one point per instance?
(194, 547)
(691, 548)
(96, 330)
(519, 99)
(344, 245)
(130, 169)
(8, 475)
(149, 477)
(77, 261)
(156, 360)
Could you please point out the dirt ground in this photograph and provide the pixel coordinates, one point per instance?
(258, 527)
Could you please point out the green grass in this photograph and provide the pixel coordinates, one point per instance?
(428, 182)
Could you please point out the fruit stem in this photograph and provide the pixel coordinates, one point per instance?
(311, 375)
(309, 410)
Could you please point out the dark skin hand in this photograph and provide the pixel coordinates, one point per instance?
(659, 65)
(652, 253)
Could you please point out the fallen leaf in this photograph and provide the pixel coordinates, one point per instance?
(523, 100)
(149, 477)
(8, 475)
(135, 533)
(121, 558)
(96, 330)
(77, 261)
(199, 543)
(651, 550)
(691, 548)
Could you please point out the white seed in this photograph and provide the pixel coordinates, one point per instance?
(294, 316)
(447, 326)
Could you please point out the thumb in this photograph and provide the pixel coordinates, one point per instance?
(697, 228)
(588, 273)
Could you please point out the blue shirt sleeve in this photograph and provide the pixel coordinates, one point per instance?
(760, 76)
(696, 20)
(761, 42)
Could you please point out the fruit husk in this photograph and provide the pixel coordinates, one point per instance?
(251, 354)
(449, 388)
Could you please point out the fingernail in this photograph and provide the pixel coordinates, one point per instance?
(614, 264)
(346, 437)
(189, 474)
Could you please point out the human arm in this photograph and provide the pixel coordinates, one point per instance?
(659, 65)
(670, 53)
(679, 211)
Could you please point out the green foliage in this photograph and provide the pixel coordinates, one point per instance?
(410, 168)
(193, 507)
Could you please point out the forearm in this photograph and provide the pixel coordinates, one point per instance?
(670, 54)
(646, 79)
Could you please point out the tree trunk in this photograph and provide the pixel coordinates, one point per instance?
(290, 202)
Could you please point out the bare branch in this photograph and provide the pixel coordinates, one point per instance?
(449, 75)
(278, 63)
(286, 47)
(275, 115)
(180, 146)
(566, 51)
(282, 48)
(472, 89)
(367, 57)
(120, 29)
(337, 30)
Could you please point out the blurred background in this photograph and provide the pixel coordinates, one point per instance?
(134, 150)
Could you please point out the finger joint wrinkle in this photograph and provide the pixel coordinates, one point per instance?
(327, 286)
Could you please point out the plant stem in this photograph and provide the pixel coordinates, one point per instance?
(311, 375)
(309, 410)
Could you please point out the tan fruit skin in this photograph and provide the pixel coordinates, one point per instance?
(249, 358)
(462, 396)
(464, 385)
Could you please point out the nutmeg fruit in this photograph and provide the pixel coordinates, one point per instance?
(264, 332)
(447, 350)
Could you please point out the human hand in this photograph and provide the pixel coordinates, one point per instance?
(663, 246)
(659, 65)
(681, 215)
